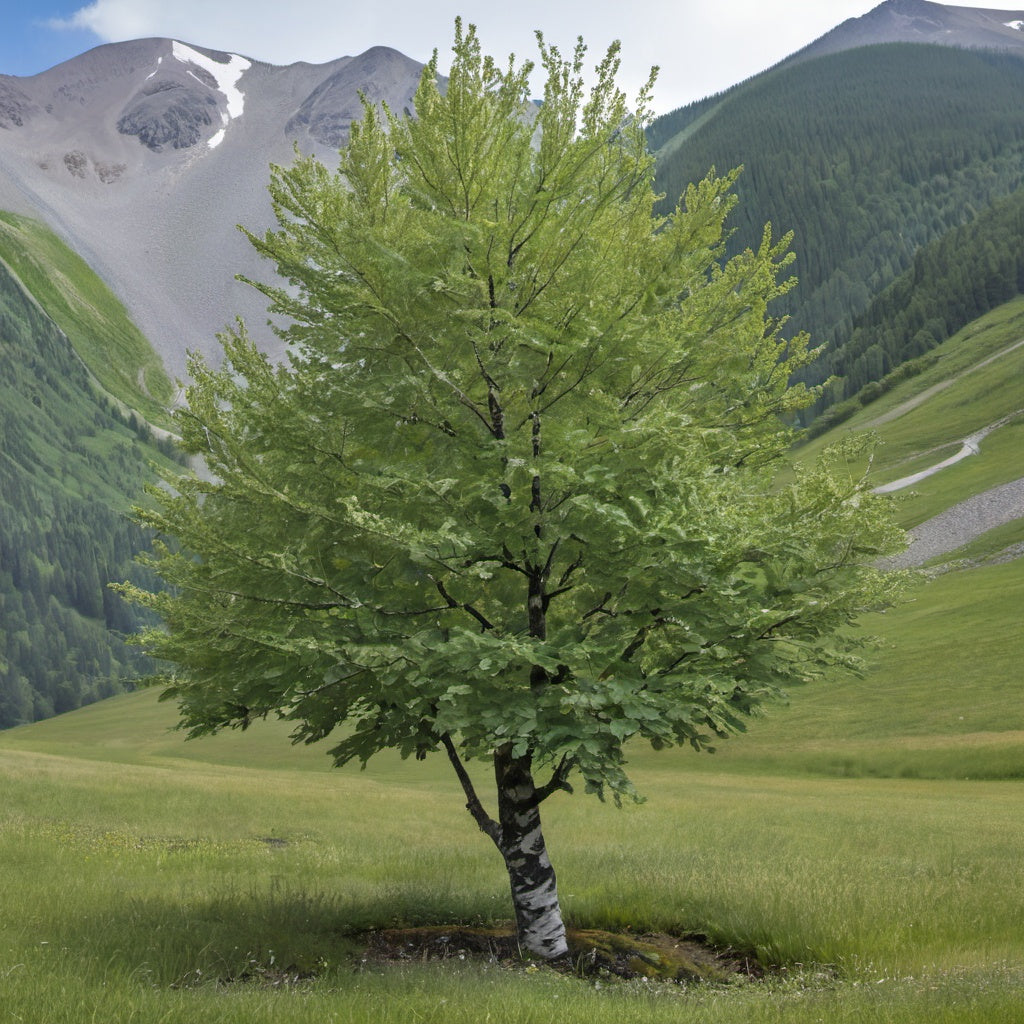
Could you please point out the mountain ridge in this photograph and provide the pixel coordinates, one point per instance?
(892, 21)
(145, 155)
(140, 157)
(921, 21)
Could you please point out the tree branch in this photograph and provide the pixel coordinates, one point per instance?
(485, 624)
(600, 608)
(484, 821)
(769, 632)
(559, 780)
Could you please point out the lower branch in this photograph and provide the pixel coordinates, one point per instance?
(484, 821)
(559, 780)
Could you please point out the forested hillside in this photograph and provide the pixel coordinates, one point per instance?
(69, 464)
(953, 280)
(112, 346)
(866, 155)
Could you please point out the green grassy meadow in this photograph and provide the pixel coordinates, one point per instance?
(979, 371)
(864, 840)
(159, 880)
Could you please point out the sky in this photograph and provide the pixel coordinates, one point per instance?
(701, 46)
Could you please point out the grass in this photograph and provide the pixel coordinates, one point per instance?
(201, 890)
(977, 396)
(229, 878)
(114, 349)
(940, 698)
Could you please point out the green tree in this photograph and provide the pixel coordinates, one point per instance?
(513, 497)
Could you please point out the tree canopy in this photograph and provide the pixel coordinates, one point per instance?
(514, 496)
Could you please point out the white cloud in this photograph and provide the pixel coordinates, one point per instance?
(113, 20)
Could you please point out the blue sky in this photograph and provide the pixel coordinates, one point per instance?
(27, 46)
(702, 46)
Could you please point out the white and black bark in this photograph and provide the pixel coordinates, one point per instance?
(521, 842)
(518, 835)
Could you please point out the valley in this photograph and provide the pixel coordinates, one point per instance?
(859, 842)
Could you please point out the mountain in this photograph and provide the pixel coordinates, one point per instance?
(954, 280)
(144, 157)
(866, 155)
(894, 21)
(919, 21)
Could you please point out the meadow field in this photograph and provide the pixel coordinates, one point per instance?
(864, 841)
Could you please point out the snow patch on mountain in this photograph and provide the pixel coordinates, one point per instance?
(1018, 25)
(226, 76)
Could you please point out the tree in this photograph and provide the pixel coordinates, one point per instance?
(513, 496)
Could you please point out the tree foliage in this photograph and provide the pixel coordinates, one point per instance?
(514, 495)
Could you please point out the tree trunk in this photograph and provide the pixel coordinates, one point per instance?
(531, 876)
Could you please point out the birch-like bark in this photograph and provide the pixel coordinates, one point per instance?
(518, 836)
(531, 877)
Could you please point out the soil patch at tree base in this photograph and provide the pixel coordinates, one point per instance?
(592, 953)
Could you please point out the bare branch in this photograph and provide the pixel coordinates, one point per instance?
(559, 780)
(769, 632)
(570, 569)
(600, 609)
(484, 821)
(462, 606)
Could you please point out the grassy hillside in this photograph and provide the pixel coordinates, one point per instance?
(113, 348)
(232, 879)
(970, 382)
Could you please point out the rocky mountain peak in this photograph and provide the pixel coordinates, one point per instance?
(145, 155)
(920, 21)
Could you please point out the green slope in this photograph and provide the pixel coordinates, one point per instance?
(866, 155)
(94, 321)
(954, 279)
(71, 462)
(970, 382)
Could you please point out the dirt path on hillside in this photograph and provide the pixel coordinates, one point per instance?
(970, 445)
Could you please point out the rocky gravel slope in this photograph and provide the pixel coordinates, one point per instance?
(961, 524)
